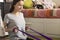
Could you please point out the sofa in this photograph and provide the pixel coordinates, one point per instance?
(42, 13)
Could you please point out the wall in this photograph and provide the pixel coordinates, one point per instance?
(57, 2)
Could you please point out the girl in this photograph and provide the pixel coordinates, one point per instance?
(15, 19)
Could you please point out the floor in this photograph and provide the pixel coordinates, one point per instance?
(7, 38)
(46, 39)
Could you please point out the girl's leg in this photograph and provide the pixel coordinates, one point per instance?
(13, 38)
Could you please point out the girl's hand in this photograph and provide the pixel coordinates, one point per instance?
(27, 27)
(15, 29)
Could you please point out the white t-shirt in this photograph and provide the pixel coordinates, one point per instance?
(18, 21)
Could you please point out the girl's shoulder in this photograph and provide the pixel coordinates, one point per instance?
(8, 14)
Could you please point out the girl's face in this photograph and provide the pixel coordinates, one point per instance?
(19, 6)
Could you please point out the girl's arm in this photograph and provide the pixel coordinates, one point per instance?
(6, 21)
